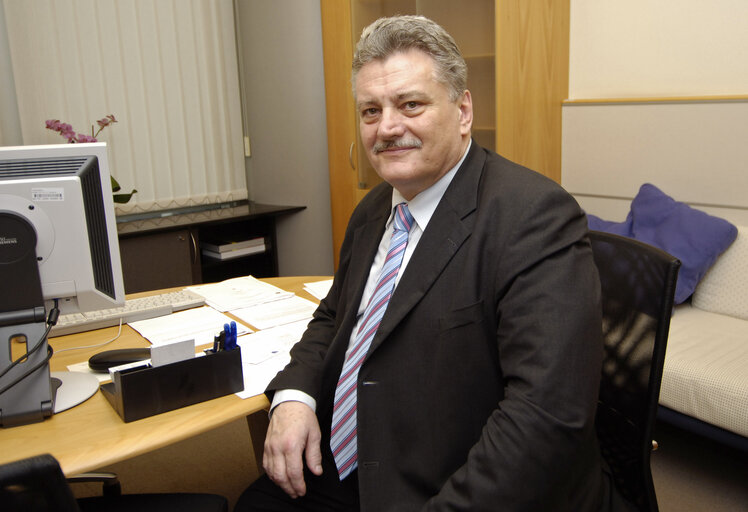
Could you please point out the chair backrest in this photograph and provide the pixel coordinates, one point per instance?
(36, 484)
(638, 285)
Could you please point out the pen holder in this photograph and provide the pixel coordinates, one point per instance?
(146, 391)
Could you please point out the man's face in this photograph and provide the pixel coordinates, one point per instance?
(411, 131)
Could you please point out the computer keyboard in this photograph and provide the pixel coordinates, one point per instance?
(135, 309)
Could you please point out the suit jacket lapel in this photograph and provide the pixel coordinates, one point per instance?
(448, 229)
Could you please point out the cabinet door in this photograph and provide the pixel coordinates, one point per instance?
(341, 118)
(159, 260)
(532, 81)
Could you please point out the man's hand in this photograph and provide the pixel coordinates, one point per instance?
(293, 430)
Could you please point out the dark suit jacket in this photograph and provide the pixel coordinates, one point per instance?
(480, 387)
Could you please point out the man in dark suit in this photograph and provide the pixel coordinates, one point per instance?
(476, 388)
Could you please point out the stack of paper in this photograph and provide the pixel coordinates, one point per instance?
(229, 249)
(200, 324)
(265, 353)
(240, 292)
(281, 315)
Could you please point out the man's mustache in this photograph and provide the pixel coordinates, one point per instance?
(394, 144)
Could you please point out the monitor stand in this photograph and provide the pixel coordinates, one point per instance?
(72, 388)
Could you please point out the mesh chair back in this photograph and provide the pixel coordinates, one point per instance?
(638, 285)
(35, 484)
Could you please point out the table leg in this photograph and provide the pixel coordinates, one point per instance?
(258, 426)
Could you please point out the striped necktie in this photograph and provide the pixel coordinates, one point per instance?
(343, 438)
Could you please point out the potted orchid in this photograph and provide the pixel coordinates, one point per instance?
(67, 132)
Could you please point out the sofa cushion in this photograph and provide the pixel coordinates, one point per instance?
(724, 288)
(705, 375)
(693, 236)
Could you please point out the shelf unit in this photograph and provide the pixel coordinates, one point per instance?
(164, 251)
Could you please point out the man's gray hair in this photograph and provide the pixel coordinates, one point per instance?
(387, 36)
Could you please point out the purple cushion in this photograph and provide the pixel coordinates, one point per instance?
(617, 228)
(694, 237)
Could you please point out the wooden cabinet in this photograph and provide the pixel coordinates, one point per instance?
(517, 52)
(159, 260)
(166, 251)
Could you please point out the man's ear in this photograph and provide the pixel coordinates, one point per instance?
(466, 112)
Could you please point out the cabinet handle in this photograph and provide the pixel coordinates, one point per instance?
(361, 170)
(194, 247)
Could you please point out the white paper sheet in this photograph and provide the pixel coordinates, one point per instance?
(279, 312)
(240, 292)
(318, 289)
(265, 353)
(202, 324)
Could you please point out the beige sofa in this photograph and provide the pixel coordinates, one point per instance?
(705, 378)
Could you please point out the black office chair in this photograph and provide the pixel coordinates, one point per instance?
(638, 284)
(37, 484)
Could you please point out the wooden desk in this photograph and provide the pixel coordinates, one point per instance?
(92, 435)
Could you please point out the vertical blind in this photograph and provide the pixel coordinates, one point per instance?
(167, 70)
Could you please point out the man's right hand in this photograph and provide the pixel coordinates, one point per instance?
(293, 433)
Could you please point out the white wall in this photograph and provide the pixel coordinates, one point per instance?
(653, 48)
(284, 81)
(693, 150)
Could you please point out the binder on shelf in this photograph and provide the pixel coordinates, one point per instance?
(141, 392)
(235, 253)
(231, 245)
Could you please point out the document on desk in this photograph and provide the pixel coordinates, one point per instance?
(319, 289)
(279, 312)
(265, 353)
(239, 292)
(202, 324)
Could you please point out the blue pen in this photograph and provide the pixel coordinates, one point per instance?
(226, 337)
(231, 334)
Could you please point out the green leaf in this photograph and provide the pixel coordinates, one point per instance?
(123, 198)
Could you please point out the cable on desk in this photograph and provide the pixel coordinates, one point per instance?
(119, 332)
(29, 372)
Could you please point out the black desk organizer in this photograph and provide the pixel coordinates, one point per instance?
(146, 391)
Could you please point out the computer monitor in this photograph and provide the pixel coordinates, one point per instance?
(58, 252)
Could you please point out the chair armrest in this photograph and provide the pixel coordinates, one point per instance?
(109, 481)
